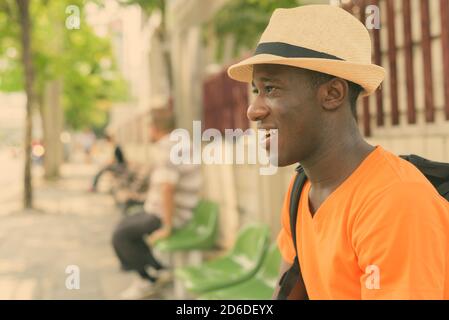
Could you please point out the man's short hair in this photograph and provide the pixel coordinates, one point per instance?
(163, 119)
(318, 78)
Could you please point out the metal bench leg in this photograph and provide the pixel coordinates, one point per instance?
(195, 257)
(179, 290)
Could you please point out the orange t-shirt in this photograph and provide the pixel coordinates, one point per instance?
(382, 234)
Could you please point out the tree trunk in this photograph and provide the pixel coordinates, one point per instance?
(25, 25)
(51, 110)
(52, 123)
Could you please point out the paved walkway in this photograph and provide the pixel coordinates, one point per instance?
(69, 227)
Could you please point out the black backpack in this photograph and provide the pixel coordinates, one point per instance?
(436, 172)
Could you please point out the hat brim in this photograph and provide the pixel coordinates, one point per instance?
(368, 76)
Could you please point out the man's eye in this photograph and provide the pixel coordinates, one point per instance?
(269, 89)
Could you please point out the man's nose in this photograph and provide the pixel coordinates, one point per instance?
(257, 110)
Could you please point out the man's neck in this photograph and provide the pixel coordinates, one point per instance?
(329, 166)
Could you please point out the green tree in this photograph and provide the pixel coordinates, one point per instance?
(50, 51)
(25, 32)
(244, 21)
(11, 73)
(85, 61)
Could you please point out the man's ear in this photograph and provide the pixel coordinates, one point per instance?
(333, 93)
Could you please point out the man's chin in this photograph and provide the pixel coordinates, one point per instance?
(275, 160)
(282, 162)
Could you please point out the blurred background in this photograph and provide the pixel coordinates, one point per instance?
(73, 71)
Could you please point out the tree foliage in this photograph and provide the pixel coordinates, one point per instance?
(80, 58)
(245, 21)
(147, 5)
(11, 74)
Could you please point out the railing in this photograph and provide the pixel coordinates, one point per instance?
(390, 52)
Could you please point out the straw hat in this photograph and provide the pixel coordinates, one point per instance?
(322, 38)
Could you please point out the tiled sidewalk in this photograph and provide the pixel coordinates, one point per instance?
(70, 227)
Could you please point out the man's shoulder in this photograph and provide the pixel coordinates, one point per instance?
(400, 185)
(393, 172)
(395, 182)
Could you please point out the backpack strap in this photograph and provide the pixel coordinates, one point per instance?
(290, 277)
(429, 168)
(443, 190)
(436, 172)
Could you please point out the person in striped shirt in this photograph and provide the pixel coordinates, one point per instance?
(172, 195)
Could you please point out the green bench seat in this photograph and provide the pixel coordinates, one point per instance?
(199, 234)
(240, 264)
(259, 287)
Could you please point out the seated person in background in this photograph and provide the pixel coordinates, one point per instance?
(117, 163)
(172, 195)
(134, 193)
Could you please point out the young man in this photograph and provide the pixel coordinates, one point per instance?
(369, 224)
(173, 193)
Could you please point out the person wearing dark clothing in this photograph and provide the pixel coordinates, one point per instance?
(118, 155)
(116, 166)
(130, 247)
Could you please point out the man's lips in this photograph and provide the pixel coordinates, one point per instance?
(269, 131)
